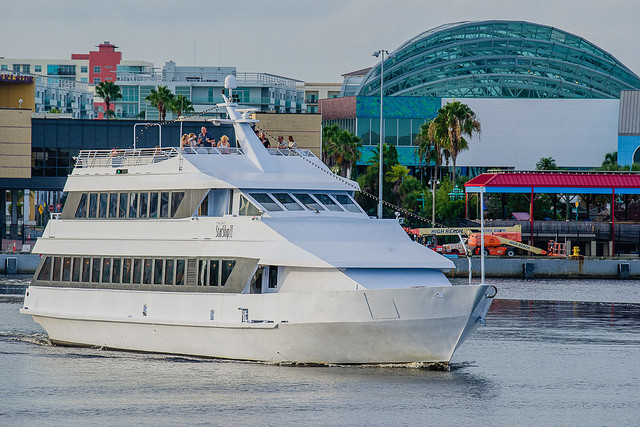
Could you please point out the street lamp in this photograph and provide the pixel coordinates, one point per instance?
(380, 53)
(434, 183)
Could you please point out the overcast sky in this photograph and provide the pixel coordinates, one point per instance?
(314, 41)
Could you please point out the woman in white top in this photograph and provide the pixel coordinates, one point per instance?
(223, 144)
(292, 143)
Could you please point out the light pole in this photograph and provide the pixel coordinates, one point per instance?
(433, 183)
(381, 53)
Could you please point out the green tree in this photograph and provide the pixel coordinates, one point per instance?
(396, 176)
(340, 148)
(546, 164)
(109, 91)
(161, 99)
(181, 104)
(459, 120)
(610, 160)
(438, 134)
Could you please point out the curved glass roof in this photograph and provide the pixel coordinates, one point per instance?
(512, 59)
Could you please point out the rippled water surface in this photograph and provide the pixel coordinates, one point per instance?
(552, 353)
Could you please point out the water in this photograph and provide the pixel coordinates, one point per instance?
(552, 353)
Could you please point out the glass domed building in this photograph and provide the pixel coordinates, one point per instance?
(500, 59)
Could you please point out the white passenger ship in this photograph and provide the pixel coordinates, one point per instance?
(249, 253)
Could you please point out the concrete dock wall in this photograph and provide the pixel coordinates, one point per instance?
(18, 263)
(539, 268)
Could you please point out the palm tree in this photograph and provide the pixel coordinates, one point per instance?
(610, 159)
(438, 134)
(160, 99)
(460, 120)
(396, 175)
(425, 146)
(546, 164)
(340, 148)
(109, 91)
(181, 104)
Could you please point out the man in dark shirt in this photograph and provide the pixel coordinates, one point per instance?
(205, 137)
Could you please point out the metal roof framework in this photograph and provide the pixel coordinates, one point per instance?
(556, 182)
(604, 183)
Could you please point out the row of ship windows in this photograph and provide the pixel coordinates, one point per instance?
(136, 271)
(129, 205)
(275, 202)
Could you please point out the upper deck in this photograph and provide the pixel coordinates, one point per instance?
(118, 158)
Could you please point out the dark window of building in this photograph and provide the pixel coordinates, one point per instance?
(95, 270)
(77, 267)
(157, 272)
(93, 205)
(214, 272)
(113, 205)
(153, 205)
(126, 270)
(66, 269)
(202, 273)
(273, 276)
(133, 205)
(144, 201)
(86, 269)
(57, 269)
(102, 213)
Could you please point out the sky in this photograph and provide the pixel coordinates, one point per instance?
(314, 41)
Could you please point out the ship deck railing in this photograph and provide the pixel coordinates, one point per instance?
(117, 158)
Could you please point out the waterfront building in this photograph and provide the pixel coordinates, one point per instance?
(313, 92)
(538, 91)
(203, 87)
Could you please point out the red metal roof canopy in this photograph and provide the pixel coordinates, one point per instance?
(556, 182)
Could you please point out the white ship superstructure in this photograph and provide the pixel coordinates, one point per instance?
(243, 253)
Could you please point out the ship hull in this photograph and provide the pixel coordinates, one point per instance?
(343, 327)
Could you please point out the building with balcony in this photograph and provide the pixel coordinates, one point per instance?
(203, 87)
(313, 92)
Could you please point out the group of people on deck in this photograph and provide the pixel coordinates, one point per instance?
(282, 144)
(204, 138)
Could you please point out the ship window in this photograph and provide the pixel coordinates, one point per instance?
(133, 205)
(66, 269)
(266, 201)
(202, 272)
(273, 276)
(57, 267)
(227, 268)
(77, 266)
(157, 272)
(102, 213)
(137, 271)
(93, 205)
(168, 272)
(328, 202)
(86, 269)
(126, 270)
(247, 208)
(146, 276)
(203, 209)
(288, 202)
(214, 271)
(176, 199)
(347, 203)
(95, 270)
(164, 205)
(180, 272)
(144, 202)
(113, 205)
(115, 270)
(309, 202)
(153, 205)
(106, 270)
(45, 271)
(122, 209)
(81, 212)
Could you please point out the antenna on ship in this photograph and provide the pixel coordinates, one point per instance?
(230, 83)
